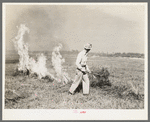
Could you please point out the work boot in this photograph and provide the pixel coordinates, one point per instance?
(69, 93)
(85, 94)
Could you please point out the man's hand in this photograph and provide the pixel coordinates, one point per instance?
(89, 72)
(86, 71)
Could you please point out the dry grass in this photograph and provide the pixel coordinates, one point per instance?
(126, 90)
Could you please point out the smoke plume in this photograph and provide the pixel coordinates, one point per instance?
(57, 61)
(39, 66)
(22, 48)
(26, 62)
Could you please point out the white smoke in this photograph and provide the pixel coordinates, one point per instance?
(57, 61)
(39, 66)
(22, 48)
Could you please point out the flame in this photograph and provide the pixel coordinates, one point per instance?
(39, 66)
(22, 48)
(57, 61)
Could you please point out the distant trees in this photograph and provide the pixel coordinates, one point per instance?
(102, 54)
(118, 54)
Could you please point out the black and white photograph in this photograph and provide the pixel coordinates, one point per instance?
(75, 58)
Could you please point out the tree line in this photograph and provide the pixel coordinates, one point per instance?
(117, 54)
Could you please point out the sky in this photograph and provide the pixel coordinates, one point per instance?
(108, 27)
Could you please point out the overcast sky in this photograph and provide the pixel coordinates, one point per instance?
(110, 28)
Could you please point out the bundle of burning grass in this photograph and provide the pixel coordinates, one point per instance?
(34, 75)
(99, 77)
(21, 72)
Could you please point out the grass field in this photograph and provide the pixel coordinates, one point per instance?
(126, 92)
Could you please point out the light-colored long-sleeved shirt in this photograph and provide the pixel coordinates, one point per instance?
(82, 60)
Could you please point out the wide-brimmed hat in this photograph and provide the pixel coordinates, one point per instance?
(88, 46)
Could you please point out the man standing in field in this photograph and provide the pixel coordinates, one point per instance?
(81, 72)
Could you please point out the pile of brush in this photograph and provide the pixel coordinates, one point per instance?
(99, 77)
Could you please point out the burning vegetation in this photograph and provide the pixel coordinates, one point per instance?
(57, 61)
(29, 66)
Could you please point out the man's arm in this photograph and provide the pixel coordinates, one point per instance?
(87, 68)
(79, 57)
